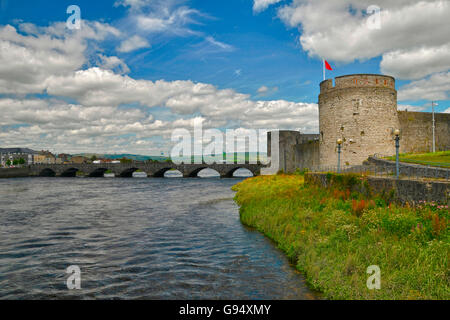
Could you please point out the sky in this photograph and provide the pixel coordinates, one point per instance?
(136, 70)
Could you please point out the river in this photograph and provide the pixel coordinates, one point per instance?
(135, 239)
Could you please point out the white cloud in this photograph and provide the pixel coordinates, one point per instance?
(26, 61)
(113, 63)
(133, 43)
(168, 20)
(416, 63)
(447, 111)
(403, 107)
(97, 87)
(261, 5)
(59, 63)
(221, 45)
(133, 4)
(264, 90)
(153, 17)
(338, 31)
(436, 87)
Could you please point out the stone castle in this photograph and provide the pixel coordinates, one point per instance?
(360, 109)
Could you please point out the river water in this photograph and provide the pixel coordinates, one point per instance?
(135, 239)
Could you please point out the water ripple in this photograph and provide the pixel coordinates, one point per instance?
(135, 239)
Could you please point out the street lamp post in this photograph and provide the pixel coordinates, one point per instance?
(339, 145)
(397, 153)
(433, 103)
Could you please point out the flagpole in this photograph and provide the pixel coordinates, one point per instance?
(323, 62)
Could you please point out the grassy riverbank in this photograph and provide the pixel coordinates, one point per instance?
(333, 236)
(438, 159)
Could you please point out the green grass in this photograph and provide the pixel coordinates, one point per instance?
(333, 236)
(439, 159)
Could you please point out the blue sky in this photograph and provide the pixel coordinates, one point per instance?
(226, 62)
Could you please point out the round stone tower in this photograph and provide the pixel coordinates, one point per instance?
(360, 109)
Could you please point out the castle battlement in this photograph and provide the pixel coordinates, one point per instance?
(361, 110)
(358, 81)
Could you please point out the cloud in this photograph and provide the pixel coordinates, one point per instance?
(409, 30)
(111, 111)
(168, 20)
(261, 5)
(416, 63)
(98, 87)
(221, 45)
(156, 17)
(133, 43)
(26, 61)
(402, 107)
(435, 87)
(133, 4)
(113, 63)
(447, 111)
(264, 90)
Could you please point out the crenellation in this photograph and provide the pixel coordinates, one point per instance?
(358, 81)
(362, 111)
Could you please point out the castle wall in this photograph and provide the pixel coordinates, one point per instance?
(307, 155)
(285, 159)
(417, 131)
(362, 111)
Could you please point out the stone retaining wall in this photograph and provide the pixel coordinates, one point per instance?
(14, 172)
(412, 170)
(405, 190)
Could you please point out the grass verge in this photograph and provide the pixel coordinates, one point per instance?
(333, 236)
(438, 159)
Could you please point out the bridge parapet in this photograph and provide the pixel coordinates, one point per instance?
(127, 169)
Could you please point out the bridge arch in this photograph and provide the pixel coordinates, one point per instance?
(161, 172)
(98, 173)
(194, 173)
(173, 173)
(230, 173)
(47, 172)
(70, 173)
(210, 172)
(128, 173)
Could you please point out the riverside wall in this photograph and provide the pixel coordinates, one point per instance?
(404, 190)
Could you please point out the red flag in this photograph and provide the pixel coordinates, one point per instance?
(327, 65)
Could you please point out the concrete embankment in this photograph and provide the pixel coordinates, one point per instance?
(14, 172)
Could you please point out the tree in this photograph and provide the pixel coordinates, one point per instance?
(15, 162)
(21, 161)
(93, 158)
(8, 163)
(125, 160)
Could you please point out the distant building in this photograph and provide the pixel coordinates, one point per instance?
(64, 158)
(79, 160)
(16, 154)
(44, 157)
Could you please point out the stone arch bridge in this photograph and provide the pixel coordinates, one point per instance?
(126, 170)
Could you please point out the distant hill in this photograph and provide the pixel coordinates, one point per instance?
(240, 157)
(135, 157)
